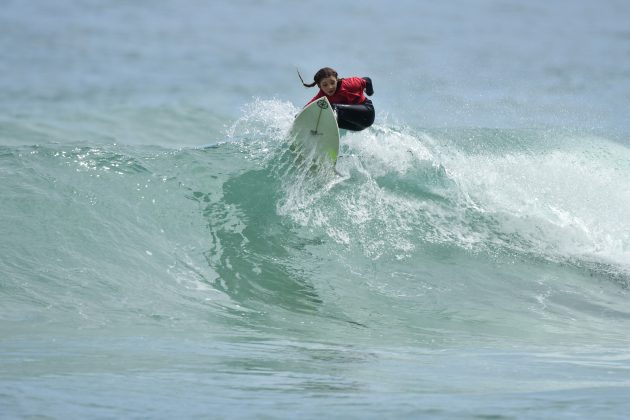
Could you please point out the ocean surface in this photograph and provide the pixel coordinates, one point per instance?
(161, 255)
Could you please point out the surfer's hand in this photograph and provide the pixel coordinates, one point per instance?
(369, 89)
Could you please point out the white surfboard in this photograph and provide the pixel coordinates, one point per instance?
(315, 134)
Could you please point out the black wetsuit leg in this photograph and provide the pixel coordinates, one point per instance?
(355, 117)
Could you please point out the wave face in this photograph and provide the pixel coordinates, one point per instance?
(459, 217)
(468, 239)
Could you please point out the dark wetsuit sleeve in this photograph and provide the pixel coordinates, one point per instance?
(369, 89)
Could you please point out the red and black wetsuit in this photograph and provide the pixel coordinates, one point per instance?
(354, 111)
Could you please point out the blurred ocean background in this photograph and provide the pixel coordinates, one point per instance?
(160, 257)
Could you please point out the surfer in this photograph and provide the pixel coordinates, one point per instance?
(354, 111)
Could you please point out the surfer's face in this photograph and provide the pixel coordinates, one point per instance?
(328, 85)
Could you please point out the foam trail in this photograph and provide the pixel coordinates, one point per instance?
(511, 192)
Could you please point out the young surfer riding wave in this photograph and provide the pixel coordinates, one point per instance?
(355, 112)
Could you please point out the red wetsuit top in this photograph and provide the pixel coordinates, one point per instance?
(349, 91)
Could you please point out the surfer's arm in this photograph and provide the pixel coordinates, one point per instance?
(369, 89)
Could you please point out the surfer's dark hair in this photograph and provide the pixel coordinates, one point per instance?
(319, 76)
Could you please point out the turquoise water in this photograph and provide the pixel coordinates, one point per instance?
(162, 256)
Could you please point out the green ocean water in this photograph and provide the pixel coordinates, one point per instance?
(162, 255)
